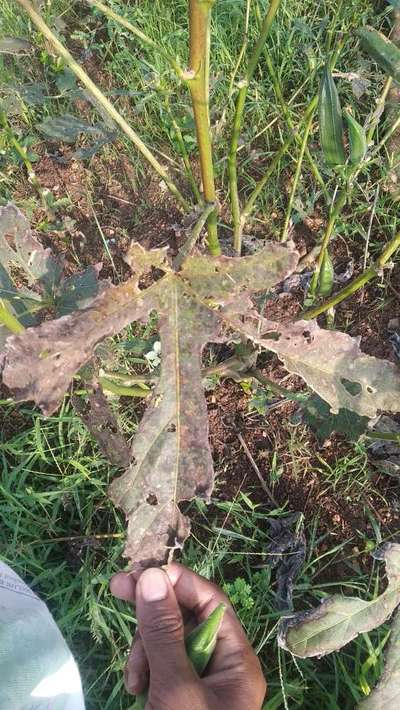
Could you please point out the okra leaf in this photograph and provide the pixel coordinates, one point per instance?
(68, 128)
(171, 458)
(341, 619)
(387, 692)
(41, 362)
(317, 414)
(171, 453)
(97, 415)
(31, 278)
(332, 364)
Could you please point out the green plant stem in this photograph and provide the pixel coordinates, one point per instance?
(286, 113)
(198, 83)
(28, 165)
(237, 122)
(377, 113)
(374, 270)
(102, 100)
(138, 33)
(386, 436)
(122, 390)
(186, 162)
(249, 206)
(273, 386)
(296, 179)
(242, 50)
(193, 236)
(388, 134)
(9, 320)
(335, 213)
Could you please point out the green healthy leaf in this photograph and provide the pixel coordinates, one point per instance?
(387, 692)
(77, 291)
(340, 619)
(317, 414)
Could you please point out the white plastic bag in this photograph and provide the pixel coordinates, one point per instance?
(37, 669)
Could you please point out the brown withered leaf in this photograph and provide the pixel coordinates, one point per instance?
(387, 692)
(222, 279)
(41, 363)
(99, 418)
(172, 459)
(331, 363)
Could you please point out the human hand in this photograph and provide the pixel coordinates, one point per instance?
(163, 599)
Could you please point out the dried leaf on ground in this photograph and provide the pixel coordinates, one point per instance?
(385, 455)
(97, 415)
(286, 552)
(387, 692)
(15, 45)
(340, 619)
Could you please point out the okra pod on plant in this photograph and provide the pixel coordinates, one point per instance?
(326, 276)
(200, 645)
(331, 121)
(357, 139)
(382, 49)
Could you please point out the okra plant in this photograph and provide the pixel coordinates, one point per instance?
(58, 323)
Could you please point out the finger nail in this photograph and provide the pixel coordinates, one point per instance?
(131, 680)
(153, 585)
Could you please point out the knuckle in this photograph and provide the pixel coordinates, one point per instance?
(169, 627)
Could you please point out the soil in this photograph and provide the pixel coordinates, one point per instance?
(108, 208)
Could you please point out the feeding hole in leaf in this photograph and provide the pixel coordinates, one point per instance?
(172, 428)
(152, 499)
(353, 388)
(307, 335)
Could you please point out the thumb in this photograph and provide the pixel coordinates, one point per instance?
(161, 626)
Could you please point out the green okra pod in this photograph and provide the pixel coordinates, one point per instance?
(382, 49)
(331, 121)
(200, 645)
(357, 139)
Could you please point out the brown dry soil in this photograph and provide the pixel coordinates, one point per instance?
(107, 205)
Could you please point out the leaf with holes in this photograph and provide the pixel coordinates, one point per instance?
(340, 619)
(171, 454)
(331, 363)
(208, 299)
(31, 277)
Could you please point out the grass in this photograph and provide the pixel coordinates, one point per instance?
(60, 532)
(64, 537)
